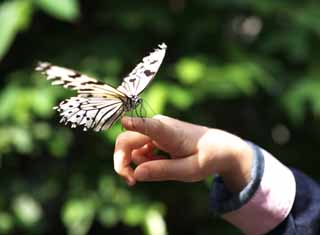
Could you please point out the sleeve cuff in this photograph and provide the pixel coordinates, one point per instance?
(264, 203)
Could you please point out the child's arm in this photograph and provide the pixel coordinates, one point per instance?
(254, 191)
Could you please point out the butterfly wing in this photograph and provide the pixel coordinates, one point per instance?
(97, 105)
(92, 113)
(143, 73)
(85, 85)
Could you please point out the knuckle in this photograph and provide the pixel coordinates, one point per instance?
(195, 173)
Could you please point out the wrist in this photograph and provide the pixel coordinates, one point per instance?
(236, 170)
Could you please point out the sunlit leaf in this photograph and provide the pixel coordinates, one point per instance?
(27, 210)
(63, 9)
(43, 102)
(134, 214)
(21, 139)
(78, 214)
(14, 16)
(190, 70)
(155, 223)
(181, 98)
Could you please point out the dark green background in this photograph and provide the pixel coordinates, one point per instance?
(250, 67)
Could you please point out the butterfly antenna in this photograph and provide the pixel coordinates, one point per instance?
(143, 115)
(149, 106)
(143, 111)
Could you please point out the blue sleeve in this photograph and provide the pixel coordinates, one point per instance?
(304, 216)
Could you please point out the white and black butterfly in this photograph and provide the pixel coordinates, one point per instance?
(98, 105)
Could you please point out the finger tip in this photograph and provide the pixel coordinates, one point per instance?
(125, 121)
(130, 181)
(132, 123)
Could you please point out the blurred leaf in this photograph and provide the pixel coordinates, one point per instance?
(154, 222)
(7, 101)
(68, 10)
(299, 96)
(41, 131)
(181, 98)
(27, 210)
(156, 98)
(43, 102)
(108, 215)
(307, 16)
(60, 141)
(114, 131)
(107, 187)
(14, 16)
(134, 214)
(21, 139)
(78, 214)
(121, 197)
(6, 222)
(5, 140)
(190, 70)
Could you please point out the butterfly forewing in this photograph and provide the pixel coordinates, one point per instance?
(85, 85)
(143, 73)
(98, 105)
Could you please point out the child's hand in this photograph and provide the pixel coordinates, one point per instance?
(196, 152)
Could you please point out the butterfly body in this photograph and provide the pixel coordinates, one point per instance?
(132, 103)
(98, 105)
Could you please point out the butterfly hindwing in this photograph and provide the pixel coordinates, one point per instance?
(92, 113)
(143, 73)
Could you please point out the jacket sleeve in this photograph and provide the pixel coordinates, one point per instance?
(277, 200)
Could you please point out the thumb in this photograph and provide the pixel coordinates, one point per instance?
(182, 169)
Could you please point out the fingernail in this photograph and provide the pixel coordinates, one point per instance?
(125, 119)
(141, 174)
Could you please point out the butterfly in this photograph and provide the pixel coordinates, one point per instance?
(98, 105)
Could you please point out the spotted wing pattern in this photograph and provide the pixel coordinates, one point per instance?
(143, 73)
(92, 113)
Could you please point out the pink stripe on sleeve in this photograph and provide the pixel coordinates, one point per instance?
(271, 203)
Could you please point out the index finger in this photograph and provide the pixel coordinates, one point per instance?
(125, 144)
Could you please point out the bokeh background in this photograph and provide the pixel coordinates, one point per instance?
(249, 67)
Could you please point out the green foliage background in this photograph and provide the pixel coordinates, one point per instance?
(250, 67)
